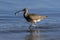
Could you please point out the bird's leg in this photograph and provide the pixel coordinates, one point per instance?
(30, 27)
(34, 24)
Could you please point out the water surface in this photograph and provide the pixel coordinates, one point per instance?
(17, 28)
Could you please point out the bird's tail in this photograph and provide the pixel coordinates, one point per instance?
(43, 17)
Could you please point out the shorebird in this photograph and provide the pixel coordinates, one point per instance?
(32, 18)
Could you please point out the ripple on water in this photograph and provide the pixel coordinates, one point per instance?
(21, 29)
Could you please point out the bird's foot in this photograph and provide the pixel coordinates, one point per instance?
(32, 27)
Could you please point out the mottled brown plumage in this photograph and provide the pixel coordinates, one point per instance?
(33, 18)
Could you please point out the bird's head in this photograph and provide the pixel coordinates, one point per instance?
(24, 10)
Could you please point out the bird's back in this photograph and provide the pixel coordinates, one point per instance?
(32, 17)
(36, 17)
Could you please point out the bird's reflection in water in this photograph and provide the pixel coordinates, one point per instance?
(33, 35)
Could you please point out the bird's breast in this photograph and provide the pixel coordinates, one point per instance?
(37, 20)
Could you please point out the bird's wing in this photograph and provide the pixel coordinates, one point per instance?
(34, 16)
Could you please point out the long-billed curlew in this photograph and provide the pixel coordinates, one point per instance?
(32, 18)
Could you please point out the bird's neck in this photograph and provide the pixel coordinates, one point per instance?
(25, 13)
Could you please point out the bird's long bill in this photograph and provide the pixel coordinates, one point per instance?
(17, 13)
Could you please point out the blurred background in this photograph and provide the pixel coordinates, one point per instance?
(15, 27)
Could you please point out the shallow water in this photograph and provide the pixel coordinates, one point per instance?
(17, 28)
